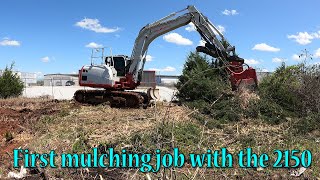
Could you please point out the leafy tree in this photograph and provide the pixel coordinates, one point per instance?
(10, 83)
(199, 80)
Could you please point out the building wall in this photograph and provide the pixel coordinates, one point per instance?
(166, 80)
(261, 75)
(25, 77)
(148, 79)
(28, 78)
(60, 79)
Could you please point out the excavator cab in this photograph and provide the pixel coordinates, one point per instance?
(120, 63)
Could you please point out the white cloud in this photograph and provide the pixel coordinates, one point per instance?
(278, 60)
(230, 12)
(302, 38)
(316, 35)
(221, 29)
(149, 57)
(169, 69)
(94, 25)
(8, 42)
(45, 59)
(154, 69)
(305, 38)
(191, 27)
(265, 47)
(265, 70)
(296, 57)
(177, 39)
(166, 69)
(201, 43)
(251, 61)
(317, 53)
(94, 45)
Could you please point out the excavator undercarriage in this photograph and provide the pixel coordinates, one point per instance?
(129, 99)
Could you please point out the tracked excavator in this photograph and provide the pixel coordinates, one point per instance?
(120, 74)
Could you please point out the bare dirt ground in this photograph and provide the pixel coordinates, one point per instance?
(16, 119)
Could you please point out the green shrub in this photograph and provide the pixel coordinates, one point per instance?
(291, 91)
(10, 84)
(282, 87)
(246, 141)
(187, 133)
(8, 136)
(199, 80)
(271, 112)
(307, 124)
(205, 87)
(253, 109)
(80, 145)
(63, 113)
(227, 108)
(310, 90)
(267, 110)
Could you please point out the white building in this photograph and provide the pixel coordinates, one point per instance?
(171, 80)
(61, 80)
(261, 75)
(27, 78)
(167, 80)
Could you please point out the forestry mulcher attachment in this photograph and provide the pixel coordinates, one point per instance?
(119, 74)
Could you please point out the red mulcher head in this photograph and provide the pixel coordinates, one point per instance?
(242, 78)
(239, 77)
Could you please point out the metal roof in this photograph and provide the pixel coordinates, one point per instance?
(58, 74)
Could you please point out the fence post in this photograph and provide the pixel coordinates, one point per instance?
(52, 88)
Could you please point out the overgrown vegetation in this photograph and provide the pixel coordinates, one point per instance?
(292, 91)
(10, 83)
(216, 118)
(203, 86)
(289, 92)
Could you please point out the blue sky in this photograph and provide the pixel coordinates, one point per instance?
(54, 36)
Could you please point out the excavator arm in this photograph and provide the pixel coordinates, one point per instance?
(151, 31)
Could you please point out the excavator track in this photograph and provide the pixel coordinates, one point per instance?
(115, 98)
